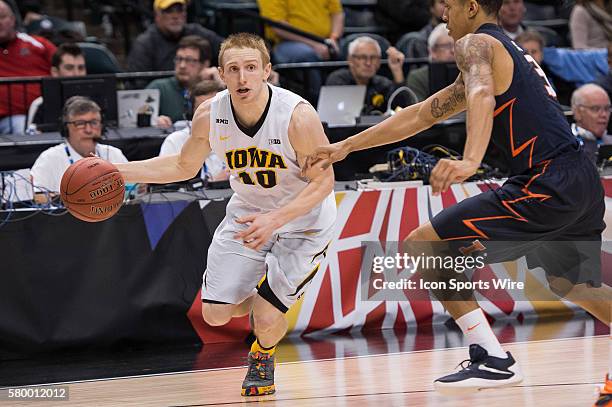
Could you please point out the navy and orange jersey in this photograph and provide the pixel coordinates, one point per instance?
(528, 126)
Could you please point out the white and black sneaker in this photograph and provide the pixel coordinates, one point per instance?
(481, 372)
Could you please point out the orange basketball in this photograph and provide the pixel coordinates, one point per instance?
(92, 189)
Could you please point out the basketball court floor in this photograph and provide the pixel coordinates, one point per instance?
(563, 361)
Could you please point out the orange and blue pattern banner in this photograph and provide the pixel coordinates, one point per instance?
(333, 301)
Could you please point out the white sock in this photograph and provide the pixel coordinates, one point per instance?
(477, 330)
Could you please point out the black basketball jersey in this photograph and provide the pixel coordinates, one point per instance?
(528, 126)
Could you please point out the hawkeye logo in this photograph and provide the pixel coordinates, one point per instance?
(222, 121)
(252, 157)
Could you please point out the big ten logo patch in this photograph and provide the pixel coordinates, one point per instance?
(253, 157)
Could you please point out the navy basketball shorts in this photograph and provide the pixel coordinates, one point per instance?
(553, 215)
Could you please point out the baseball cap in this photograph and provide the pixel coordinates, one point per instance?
(164, 4)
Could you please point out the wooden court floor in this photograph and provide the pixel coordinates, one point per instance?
(560, 372)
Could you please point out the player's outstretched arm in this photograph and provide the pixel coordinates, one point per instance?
(404, 124)
(177, 167)
(305, 134)
(474, 54)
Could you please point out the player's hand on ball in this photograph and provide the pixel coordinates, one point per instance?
(447, 172)
(260, 230)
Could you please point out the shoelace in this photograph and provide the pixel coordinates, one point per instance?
(258, 370)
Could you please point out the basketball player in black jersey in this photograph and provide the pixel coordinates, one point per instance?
(553, 194)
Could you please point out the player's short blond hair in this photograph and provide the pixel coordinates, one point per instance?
(245, 40)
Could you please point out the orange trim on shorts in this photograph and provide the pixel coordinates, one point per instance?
(469, 223)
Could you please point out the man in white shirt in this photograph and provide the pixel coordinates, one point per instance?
(214, 167)
(82, 127)
(591, 108)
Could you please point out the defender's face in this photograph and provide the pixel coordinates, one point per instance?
(243, 73)
(456, 18)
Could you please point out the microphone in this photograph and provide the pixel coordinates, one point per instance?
(413, 97)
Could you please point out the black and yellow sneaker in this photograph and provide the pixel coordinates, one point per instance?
(259, 379)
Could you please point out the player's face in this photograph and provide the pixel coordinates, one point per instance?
(171, 20)
(70, 66)
(456, 18)
(83, 130)
(594, 112)
(511, 13)
(364, 62)
(7, 23)
(444, 49)
(533, 48)
(244, 74)
(187, 65)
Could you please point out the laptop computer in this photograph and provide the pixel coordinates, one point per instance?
(341, 105)
(132, 102)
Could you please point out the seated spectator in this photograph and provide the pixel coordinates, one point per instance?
(591, 108)
(511, 16)
(82, 127)
(323, 18)
(590, 24)
(532, 43)
(214, 168)
(192, 57)
(22, 55)
(436, 10)
(68, 60)
(154, 50)
(605, 81)
(364, 55)
(441, 49)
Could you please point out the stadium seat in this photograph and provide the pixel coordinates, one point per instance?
(99, 59)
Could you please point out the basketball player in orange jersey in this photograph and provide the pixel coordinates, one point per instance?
(553, 194)
(278, 222)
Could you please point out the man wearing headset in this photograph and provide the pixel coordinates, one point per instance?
(82, 128)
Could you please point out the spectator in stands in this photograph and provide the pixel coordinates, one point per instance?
(591, 24)
(591, 108)
(511, 16)
(22, 55)
(82, 127)
(441, 49)
(532, 43)
(323, 18)
(605, 81)
(436, 10)
(68, 60)
(364, 56)
(214, 168)
(154, 50)
(192, 57)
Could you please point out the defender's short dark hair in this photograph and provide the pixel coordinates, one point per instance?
(196, 42)
(67, 48)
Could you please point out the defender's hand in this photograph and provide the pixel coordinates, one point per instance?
(447, 172)
(324, 156)
(261, 228)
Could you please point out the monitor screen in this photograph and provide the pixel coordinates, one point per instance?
(55, 91)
